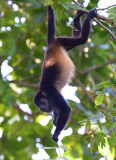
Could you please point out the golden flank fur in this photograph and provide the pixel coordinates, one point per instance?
(57, 55)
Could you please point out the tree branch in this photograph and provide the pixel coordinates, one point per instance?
(98, 16)
(21, 83)
(110, 21)
(84, 89)
(33, 115)
(106, 7)
(88, 94)
(95, 67)
(100, 24)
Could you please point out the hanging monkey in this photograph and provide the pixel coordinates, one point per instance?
(58, 69)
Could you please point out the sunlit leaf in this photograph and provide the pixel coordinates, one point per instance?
(39, 118)
(114, 87)
(111, 103)
(99, 124)
(74, 6)
(99, 100)
(88, 125)
(113, 113)
(106, 84)
(100, 93)
(113, 45)
(98, 86)
(47, 2)
(115, 75)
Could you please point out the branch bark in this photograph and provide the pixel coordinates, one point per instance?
(96, 67)
(84, 89)
(106, 7)
(21, 83)
(100, 24)
(33, 115)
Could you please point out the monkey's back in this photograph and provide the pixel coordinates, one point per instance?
(58, 63)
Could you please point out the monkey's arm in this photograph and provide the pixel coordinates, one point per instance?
(63, 112)
(69, 42)
(77, 24)
(51, 31)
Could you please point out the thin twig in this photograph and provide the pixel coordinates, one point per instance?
(106, 7)
(110, 21)
(21, 83)
(100, 24)
(84, 89)
(76, 2)
(95, 67)
(33, 115)
(87, 93)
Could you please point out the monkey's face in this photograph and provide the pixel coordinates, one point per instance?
(41, 101)
(43, 104)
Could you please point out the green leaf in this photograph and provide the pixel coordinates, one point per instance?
(106, 84)
(113, 113)
(113, 45)
(74, 6)
(113, 136)
(68, 5)
(110, 142)
(102, 134)
(98, 86)
(99, 99)
(55, 4)
(59, 12)
(112, 10)
(47, 2)
(67, 1)
(111, 16)
(114, 87)
(88, 125)
(100, 139)
(107, 126)
(64, 147)
(93, 144)
(110, 105)
(100, 93)
(107, 117)
(99, 124)
(115, 23)
(65, 6)
(115, 75)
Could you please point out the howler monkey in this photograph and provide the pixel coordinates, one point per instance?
(58, 69)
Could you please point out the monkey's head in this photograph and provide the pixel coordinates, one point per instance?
(41, 100)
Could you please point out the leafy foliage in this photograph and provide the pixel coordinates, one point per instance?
(23, 30)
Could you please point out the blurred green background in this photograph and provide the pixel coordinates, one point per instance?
(25, 131)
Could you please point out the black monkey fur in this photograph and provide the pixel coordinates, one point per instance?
(58, 69)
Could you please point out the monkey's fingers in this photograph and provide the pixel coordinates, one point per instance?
(92, 13)
(80, 13)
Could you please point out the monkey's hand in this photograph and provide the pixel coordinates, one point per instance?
(55, 138)
(92, 13)
(80, 13)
